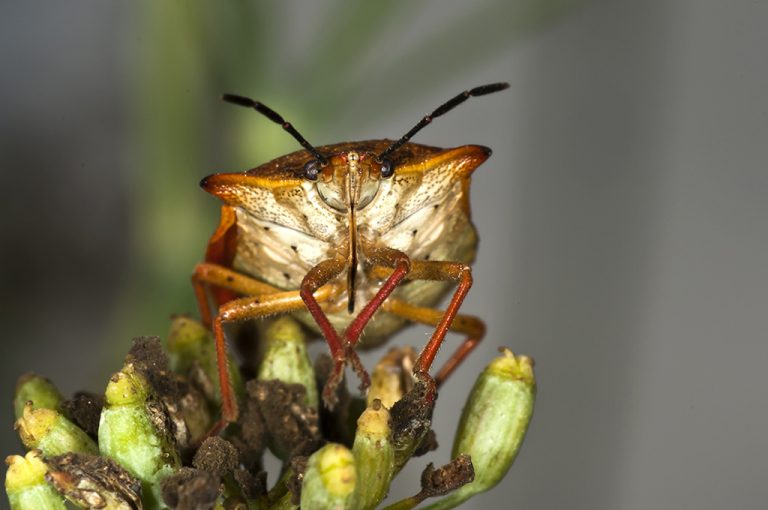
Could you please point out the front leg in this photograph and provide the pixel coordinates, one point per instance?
(471, 326)
(319, 275)
(439, 271)
(263, 300)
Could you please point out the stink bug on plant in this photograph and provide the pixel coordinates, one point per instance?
(317, 233)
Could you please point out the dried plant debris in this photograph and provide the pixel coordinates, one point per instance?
(252, 438)
(148, 357)
(84, 410)
(217, 456)
(190, 489)
(91, 481)
(295, 478)
(253, 486)
(412, 419)
(441, 481)
(428, 444)
(153, 448)
(294, 427)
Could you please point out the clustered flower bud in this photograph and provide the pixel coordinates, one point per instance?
(153, 450)
(26, 486)
(38, 390)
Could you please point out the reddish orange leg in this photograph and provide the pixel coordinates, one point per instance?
(251, 307)
(340, 353)
(401, 264)
(469, 325)
(441, 271)
(241, 309)
(207, 274)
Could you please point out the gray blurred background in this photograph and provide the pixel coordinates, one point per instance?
(622, 216)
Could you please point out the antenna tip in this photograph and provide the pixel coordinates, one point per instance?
(490, 88)
(238, 100)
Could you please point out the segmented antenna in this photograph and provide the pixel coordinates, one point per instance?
(441, 110)
(277, 119)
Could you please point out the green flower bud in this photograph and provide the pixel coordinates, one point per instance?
(330, 479)
(392, 376)
(493, 423)
(133, 431)
(25, 484)
(374, 456)
(187, 340)
(192, 353)
(50, 432)
(39, 390)
(286, 358)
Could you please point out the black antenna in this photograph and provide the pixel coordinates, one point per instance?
(277, 119)
(441, 110)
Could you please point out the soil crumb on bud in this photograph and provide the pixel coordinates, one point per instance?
(440, 481)
(293, 426)
(253, 486)
(252, 439)
(84, 410)
(190, 489)
(150, 360)
(216, 456)
(415, 406)
(147, 355)
(411, 418)
(428, 444)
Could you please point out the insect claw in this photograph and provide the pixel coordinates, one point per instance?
(330, 396)
(429, 387)
(357, 365)
(330, 399)
(339, 364)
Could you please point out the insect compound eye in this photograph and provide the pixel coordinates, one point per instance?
(312, 170)
(387, 168)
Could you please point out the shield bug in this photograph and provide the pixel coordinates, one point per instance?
(321, 231)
